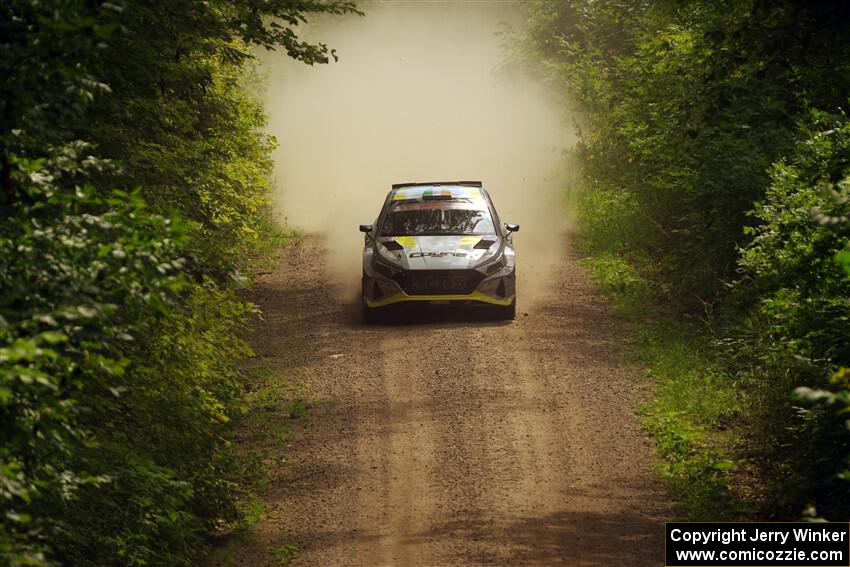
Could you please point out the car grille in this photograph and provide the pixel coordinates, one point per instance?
(438, 282)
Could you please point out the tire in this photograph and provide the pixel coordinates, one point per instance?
(506, 312)
(368, 314)
(371, 315)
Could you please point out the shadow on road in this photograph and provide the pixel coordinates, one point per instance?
(412, 314)
(579, 538)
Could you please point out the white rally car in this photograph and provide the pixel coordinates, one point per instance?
(440, 243)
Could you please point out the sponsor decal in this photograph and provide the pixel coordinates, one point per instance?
(406, 241)
(437, 254)
(469, 241)
(454, 192)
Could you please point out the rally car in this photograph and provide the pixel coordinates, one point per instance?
(439, 243)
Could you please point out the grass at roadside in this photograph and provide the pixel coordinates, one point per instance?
(689, 420)
(274, 409)
(270, 239)
(691, 416)
(693, 405)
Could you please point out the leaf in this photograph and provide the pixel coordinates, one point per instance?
(843, 260)
(86, 312)
(52, 337)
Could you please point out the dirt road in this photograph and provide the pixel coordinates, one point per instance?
(455, 442)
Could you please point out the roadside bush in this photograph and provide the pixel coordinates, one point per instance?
(610, 222)
(84, 278)
(707, 176)
(795, 336)
(621, 282)
(133, 181)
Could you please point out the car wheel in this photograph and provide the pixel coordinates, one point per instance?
(371, 315)
(507, 312)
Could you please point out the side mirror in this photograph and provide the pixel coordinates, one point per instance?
(512, 227)
(367, 228)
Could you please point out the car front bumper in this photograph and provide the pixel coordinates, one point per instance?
(499, 289)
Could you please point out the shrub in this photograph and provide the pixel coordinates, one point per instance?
(796, 333)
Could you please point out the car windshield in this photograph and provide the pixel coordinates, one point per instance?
(434, 218)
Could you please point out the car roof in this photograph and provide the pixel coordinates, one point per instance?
(437, 190)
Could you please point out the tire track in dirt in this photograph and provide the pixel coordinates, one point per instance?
(411, 445)
(456, 441)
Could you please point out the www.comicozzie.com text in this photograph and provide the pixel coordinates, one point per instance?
(726, 536)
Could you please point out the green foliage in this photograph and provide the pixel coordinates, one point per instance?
(688, 104)
(698, 474)
(709, 180)
(134, 175)
(620, 281)
(216, 181)
(84, 278)
(795, 335)
(287, 554)
(688, 418)
(623, 229)
(116, 382)
(694, 401)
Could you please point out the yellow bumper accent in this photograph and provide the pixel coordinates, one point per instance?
(474, 296)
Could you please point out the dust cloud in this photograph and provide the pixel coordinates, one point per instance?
(421, 92)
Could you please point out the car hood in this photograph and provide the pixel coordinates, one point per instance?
(444, 252)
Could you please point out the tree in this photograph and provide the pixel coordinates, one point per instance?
(134, 172)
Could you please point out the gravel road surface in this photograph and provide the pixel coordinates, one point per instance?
(455, 441)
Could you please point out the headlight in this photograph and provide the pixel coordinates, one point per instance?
(493, 267)
(383, 269)
(385, 262)
(387, 256)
